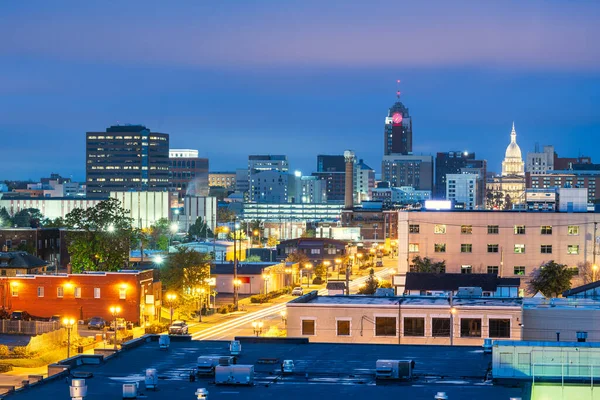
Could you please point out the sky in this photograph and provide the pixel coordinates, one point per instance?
(301, 78)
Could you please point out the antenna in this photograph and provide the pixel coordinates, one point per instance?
(398, 89)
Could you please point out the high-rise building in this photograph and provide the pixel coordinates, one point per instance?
(330, 163)
(364, 181)
(188, 173)
(306, 189)
(331, 169)
(398, 131)
(462, 189)
(125, 158)
(408, 170)
(268, 178)
(540, 162)
(453, 162)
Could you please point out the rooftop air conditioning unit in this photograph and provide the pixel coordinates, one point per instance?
(130, 390)
(469, 292)
(394, 369)
(234, 374)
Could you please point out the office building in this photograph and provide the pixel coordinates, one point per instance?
(146, 208)
(188, 174)
(408, 170)
(397, 137)
(364, 181)
(375, 223)
(589, 180)
(330, 163)
(48, 244)
(331, 169)
(268, 178)
(458, 162)
(291, 212)
(306, 189)
(403, 195)
(462, 189)
(540, 162)
(126, 157)
(222, 179)
(242, 184)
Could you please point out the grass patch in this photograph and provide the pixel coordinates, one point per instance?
(48, 357)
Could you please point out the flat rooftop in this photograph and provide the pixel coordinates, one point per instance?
(337, 371)
(439, 301)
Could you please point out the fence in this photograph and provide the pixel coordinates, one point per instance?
(566, 372)
(27, 327)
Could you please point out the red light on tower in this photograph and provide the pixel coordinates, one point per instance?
(397, 118)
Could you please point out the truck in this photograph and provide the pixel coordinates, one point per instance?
(234, 375)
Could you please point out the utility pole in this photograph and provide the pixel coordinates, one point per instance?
(595, 240)
(235, 266)
(348, 270)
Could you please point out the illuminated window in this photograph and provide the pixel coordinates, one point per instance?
(77, 292)
(439, 229)
(413, 228)
(122, 293)
(519, 248)
(573, 249)
(573, 230)
(439, 247)
(413, 247)
(14, 291)
(519, 229)
(60, 291)
(466, 248)
(466, 269)
(466, 229)
(96, 292)
(519, 270)
(546, 230)
(40, 291)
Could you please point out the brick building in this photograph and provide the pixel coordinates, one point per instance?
(49, 244)
(376, 225)
(83, 296)
(19, 262)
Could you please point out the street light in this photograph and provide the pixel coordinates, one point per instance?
(69, 323)
(115, 311)
(111, 228)
(594, 269)
(174, 227)
(284, 316)
(258, 327)
(171, 297)
(256, 234)
(452, 312)
(308, 266)
(236, 288)
(288, 271)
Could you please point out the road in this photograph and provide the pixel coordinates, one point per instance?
(270, 316)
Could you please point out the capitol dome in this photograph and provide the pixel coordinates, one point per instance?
(513, 160)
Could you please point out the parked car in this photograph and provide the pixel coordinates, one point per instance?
(297, 291)
(97, 323)
(20, 316)
(55, 318)
(178, 328)
(379, 263)
(121, 324)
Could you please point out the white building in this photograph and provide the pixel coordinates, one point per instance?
(540, 163)
(462, 188)
(268, 187)
(195, 207)
(364, 181)
(400, 195)
(183, 153)
(306, 189)
(50, 207)
(145, 208)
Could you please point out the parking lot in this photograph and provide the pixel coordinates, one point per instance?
(340, 371)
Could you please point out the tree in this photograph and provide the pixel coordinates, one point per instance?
(309, 233)
(253, 258)
(297, 257)
(100, 237)
(200, 229)
(5, 220)
(586, 272)
(426, 265)
(53, 223)
(551, 279)
(272, 241)
(371, 284)
(495, 200)
(225, 215)
(185, 270)
(27, 218)
(321, 270)
(507, 202)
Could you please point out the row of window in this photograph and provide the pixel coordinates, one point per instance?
(572, 249)
(60, 292)
(415, 327)
(440, 229)
(492, 269)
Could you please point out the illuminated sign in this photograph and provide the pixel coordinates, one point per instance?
(438, 204)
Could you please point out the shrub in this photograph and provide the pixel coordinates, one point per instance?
(227, 308)
(264, 298)
(317, 281)
(20, 351)
(4, 351)
(156, 328)
(5, 368)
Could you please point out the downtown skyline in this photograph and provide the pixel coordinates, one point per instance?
(318, 83)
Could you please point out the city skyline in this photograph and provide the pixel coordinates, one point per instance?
(319, 84)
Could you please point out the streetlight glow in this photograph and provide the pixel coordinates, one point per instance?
(111, 228)
(174, 227)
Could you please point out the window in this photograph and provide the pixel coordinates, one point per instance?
(440, 327)
(3, 272)
(519, 229)
(343, 328)
(315, 251)
(77, 292)
(499, 328)
(40, 291)
(470, 327)
(414, 326)
(14, 290)
(573, 230)
(493, 229)
(546, 249)
(466, 269)
(519, 248)
(413, 228)
(413, 247)
(466, 229)
(96, 292)
(519, 270)
(492, 269)
(492, 248)
(385, 326)
(546, 230)
(574, 271)
(439, 229)
(439, 247)
(573, 249)
(308, 327)
(60, 291)
(123, 293)
(466, 248)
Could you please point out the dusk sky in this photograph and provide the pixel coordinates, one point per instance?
(301, 78)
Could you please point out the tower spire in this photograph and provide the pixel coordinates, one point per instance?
(513, 134)
(398, 89)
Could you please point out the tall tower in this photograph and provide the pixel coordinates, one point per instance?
(398, 130)
(349, 158)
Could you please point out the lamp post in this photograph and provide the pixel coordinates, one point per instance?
(308, 266)
(236, 287)
(359, 256)
(266, 278)
(338, 265)
(594, 269)
(326, 264)
(235, 265)
(115, 311)
(288, 272)
(256, 234)
(69, 323)
(284, 316)
(173, 228)
(452, 312)
(171, 297)
(258, 327)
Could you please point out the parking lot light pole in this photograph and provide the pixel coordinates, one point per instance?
(258, 327)
(284, 316)
(115, 311)
(171, 297)
(69, 323)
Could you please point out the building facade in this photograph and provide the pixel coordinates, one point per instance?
(188, 174)
(222, 179)
(509, 243)
(376, 225)
(14, 263)
(126, 157)
(48, 244)
(540, 162)
(408, 170)
(508, 189)
(83, 296)
(457, 162)
(589, 180)
(400, 195)
(306, 189)
(364, 181)
(463, 188)
(397, 133)
(51, 207)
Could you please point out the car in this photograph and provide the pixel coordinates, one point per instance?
(120, 324)
(20, 316)
(97, 323)
(55, 318)
(178, 328)
(297, 291)
(379, 263)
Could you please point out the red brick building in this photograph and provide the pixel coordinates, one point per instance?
(83, 296)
